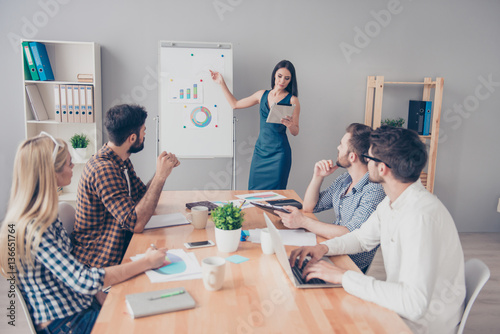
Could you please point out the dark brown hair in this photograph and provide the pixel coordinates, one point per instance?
(360, 139)
(402, 149)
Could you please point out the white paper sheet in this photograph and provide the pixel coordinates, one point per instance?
(289, 237)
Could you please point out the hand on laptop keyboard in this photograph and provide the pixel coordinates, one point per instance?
(315, 252)
(326, 271)
(298, 272)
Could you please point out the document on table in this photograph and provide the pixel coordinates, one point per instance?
(171, 219)
(182, 266)
(237, 203)
(289, 237)
(264, 196)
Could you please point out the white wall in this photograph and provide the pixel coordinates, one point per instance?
(457, 40)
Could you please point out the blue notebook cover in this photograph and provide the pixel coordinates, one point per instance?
(42, 62)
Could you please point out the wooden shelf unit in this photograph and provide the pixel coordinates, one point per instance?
(373, 115)
(67, 60)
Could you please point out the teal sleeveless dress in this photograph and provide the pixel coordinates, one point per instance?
(272, 157)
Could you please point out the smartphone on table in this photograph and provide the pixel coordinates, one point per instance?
(199, 244)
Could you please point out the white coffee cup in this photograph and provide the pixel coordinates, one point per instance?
(213, 270)
(198, 217)
(266, 243)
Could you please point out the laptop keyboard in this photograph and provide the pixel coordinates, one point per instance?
(297, 272)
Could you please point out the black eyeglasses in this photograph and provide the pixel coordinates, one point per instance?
(368, 158)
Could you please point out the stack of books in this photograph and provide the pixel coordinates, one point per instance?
(36, 62)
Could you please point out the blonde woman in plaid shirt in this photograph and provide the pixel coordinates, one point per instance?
(59, 290)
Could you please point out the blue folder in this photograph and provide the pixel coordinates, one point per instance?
(42, 61)
(427, 118)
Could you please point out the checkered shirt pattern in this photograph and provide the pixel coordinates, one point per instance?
(105, 212)
(353, 209)
(58, 286)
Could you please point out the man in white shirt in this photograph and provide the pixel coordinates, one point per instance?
(423, 257)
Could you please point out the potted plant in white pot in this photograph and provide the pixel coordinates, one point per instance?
(79, 142)
(227, 220)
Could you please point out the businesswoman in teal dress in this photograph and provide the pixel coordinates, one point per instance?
(272, 157)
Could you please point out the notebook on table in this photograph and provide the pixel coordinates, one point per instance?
(156, 302)
(294, 275)
(208, 204)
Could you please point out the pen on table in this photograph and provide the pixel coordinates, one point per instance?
(153, 246)
(180, 292)
(244, 201)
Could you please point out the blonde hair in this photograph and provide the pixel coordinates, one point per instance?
(33, 202)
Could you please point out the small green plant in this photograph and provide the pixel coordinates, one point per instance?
(397, 123)
(79, 141)
(227, 217)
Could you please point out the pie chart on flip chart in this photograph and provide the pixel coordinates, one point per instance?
(201, 117)
(176, 266)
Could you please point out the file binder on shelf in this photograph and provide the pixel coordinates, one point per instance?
(57, 103)
(83, 105)
(29, 60)
(69, 99)
(27, 72)
(76, 103)
(36, 103)
(90, 104)
(42, 61)
(419, 116)
(427, 118)
(64, 105)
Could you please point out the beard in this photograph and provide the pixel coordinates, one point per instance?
(343, 161)
(136, 147)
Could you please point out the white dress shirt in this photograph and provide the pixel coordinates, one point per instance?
(423, 260)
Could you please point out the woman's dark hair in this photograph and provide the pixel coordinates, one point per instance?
(292, 86)
(400, 148)
(123, 120)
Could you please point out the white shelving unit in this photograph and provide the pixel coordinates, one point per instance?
(68, 59)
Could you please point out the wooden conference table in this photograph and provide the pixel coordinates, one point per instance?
(257, 296)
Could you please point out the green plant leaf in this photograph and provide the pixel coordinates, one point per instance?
(397, 123)
(227, 217)
(79, 141)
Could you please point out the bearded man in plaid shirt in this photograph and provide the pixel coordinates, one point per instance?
(113, 202)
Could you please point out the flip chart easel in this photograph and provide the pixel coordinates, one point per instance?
(195, 120)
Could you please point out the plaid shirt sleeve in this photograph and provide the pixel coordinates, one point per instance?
(56, 257)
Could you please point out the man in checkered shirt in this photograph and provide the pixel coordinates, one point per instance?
(113, 202)
(352, 196)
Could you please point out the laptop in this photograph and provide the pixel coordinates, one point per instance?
(295, 274)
